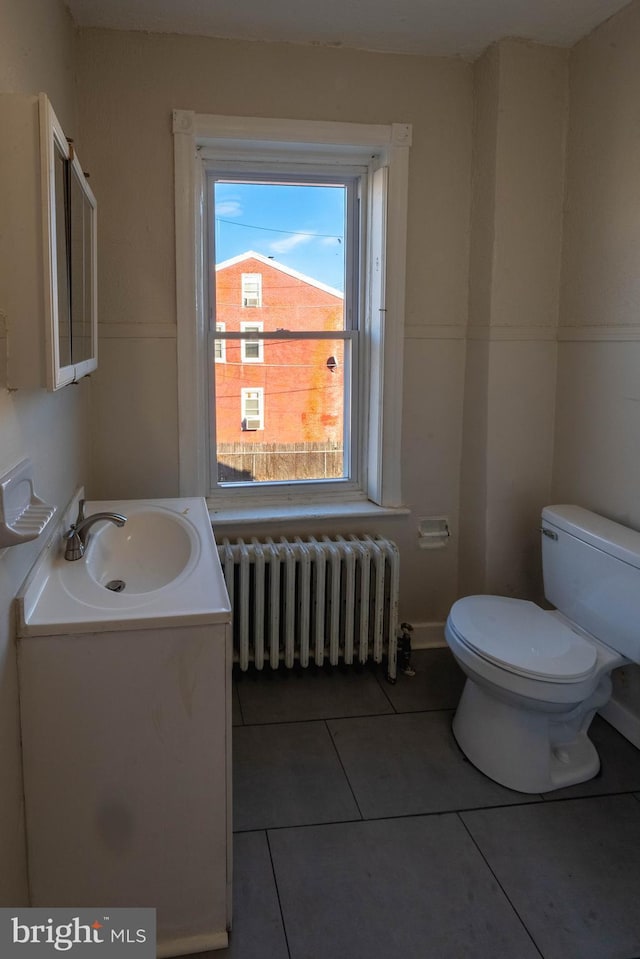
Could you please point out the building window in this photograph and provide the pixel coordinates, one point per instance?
(220, 346)
(356, 358)
(251, 351)
(252, 289)
(252, 409)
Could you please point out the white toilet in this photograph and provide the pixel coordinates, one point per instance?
(535, 677)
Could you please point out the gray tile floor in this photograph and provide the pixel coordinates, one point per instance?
(363, 833)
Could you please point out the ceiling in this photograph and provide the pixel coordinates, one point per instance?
(429, 27)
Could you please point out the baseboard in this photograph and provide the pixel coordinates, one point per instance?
(427, 636)
(621, 718)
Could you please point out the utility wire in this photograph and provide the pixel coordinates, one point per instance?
(271, 229)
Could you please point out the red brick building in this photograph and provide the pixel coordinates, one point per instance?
(277, 391)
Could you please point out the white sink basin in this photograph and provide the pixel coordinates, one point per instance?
(160, 568)
(152, 549)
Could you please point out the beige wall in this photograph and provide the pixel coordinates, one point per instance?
(128, 84)
(601, 279)
(519, 153)
(36, 54)
(530, 171)
(473, 478)
(597, 449)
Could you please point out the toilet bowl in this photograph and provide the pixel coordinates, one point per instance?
(536, 677)
(533, 685)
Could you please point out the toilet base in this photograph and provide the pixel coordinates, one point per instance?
(520, 748)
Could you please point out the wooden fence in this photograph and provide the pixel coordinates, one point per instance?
(260, 462)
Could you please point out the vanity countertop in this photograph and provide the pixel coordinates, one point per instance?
(63, 596)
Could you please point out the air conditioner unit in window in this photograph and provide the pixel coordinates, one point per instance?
(250, 423)
(251, 301)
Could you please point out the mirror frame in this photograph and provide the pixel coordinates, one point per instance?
(52, 139)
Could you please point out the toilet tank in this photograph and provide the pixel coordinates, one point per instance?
(591, 569)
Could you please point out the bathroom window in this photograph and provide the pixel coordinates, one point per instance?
(327, 350)
(304, 232)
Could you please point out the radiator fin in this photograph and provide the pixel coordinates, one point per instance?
(313, 600)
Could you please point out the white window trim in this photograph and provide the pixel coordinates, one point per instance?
(220, 328)
(252, 328)
(384, 301)
(243, 294)
(244, 393)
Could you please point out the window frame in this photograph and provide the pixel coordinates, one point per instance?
(243, 291)
(248, 326)
(245, 391)
(352, 179)
(221, 327)
(385, 149)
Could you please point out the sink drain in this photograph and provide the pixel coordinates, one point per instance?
(116, 585)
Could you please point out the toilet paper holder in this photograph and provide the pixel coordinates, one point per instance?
(433, 532)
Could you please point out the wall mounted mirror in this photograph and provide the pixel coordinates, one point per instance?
(48, 248)
(71, 231)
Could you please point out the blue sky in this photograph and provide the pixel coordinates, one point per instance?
(300, 226)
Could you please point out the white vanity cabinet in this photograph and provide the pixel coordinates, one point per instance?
(125, 707)
(48, 244)
(127, 751)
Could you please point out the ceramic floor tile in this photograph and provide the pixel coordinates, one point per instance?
(257, 921)
(288, 775)
(620, 765)
(571, 869)
(437, 683)
(411, 764)
(412, 888)
(272, 696)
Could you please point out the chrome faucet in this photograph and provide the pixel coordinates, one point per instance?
(77, 536)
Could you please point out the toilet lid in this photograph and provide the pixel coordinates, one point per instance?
(521, 637)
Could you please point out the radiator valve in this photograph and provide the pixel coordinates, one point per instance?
(404, 650)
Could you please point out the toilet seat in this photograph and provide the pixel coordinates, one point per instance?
(522, 638)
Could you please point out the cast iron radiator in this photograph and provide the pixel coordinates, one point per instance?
(330, 599)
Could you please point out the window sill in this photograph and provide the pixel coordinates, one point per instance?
(229, 516)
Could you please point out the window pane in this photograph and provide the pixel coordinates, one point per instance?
(252, 407)
(298, 230)
(288, 422)
(281, 404)
(251, 349)
(252, 289)
(219, 346)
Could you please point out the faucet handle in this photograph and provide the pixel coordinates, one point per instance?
(75, 547)
(80, 516)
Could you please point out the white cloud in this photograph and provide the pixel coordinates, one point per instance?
(290, 242)
(229, 208)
